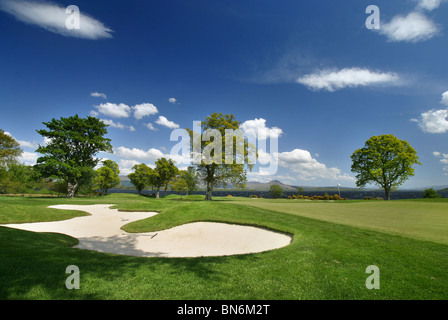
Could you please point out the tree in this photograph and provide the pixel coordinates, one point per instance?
(179, 185)
(141, 177)
(220, 167)
(385, 161)
(299, 191)
(165, 171)
(430, 193)
(69, 154)
(9, 149)
(107, 176)
(191, 179)
(276, 191)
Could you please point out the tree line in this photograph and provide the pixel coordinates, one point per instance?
(67, 162)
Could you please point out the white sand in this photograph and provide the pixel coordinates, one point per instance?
(100, 231)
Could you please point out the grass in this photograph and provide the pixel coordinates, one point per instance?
(425, 219)
(326, 260)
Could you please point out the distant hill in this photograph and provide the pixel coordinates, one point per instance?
(259, 186)
(125, 182)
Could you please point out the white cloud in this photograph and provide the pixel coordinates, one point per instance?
(301, 163)
(98, 95)
(28, 144)
(117, 125)
(150, 127)
(257, 129)
(414, 27)
(163, 121)
(436, 154)
(433, 121)
(143, 110)
(152, 154)
(172, 100)
(114, 110)
(429, 4)
(444, 98)
(28, 158)
(332, 80)
(126, 166)
(94, 113)
(52, 17)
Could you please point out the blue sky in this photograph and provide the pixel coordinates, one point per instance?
(309, 71)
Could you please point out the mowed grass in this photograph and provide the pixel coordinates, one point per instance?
(325, 260)
(425, 219)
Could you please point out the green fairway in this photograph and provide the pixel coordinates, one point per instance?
(425, 219)
(326, 260)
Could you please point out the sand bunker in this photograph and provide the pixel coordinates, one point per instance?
(100, 231)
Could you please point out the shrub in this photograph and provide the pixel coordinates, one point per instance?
(254, 196)
(372, 198)
(430, 193)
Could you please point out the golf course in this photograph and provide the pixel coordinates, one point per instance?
(333, 242)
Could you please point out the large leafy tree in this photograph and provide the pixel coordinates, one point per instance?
(107, 176)
(9, 149)
(141, 177)
(165, 171)
(70, 152)
(385, 161)
(191, 178)
(221, 168)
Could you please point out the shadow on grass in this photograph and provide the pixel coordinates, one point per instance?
(33, 266)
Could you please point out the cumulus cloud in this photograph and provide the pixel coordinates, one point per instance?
(429, 4)
(414, 27)
(444, 98)
(150, 127)
(117, 125)
(172, 100)
(163, 121)
(114, 110)
(150, 155)
(332, 80)
(126, 165)
(443, 158)
(28, 144)
(52, 17)
(433, 121)
(301, 163)
(257, 129)
(28, 158)
(143, 110)
(98, 95)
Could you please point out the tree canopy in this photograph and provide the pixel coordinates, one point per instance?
(276, 191)
(216, 165)
(141, 177)
(385, 161)
(9, 149)
(70, 152)
(107, 176)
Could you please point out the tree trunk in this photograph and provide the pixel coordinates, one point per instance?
(387, 192)
(166, 187)
(71, 189)
(208, 195)
(158, 193)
